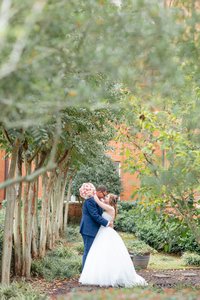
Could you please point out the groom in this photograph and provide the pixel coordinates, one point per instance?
(92, 220)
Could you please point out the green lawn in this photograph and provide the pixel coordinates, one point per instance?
(158, 261)
(163, 261)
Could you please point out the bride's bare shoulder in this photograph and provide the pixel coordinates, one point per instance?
(110, 208)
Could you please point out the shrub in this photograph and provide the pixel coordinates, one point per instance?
(166, 234)
(126, 206)
(60, 263)
(73, 234)
(62, 251)
(19, 291)
(125, 222)
(139, 247)
(159, 230)
(100, 170)
(57, 267)
(191, 259)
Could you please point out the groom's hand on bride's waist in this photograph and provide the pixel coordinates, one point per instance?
(110, 224)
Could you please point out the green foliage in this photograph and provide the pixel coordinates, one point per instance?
(160, 230)
(126, 205)
(100, 170)
(83, 128)
(19, 291)
(168, 157)
(125, 222)
(73, 234)
(138, 247)
(62, 252)
(80, 248)
(73, 62)
(59, 263)
(191, 259)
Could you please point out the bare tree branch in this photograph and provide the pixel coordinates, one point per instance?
(34, 154)
(7, 136)
(50, 166)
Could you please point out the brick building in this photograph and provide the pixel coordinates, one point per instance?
(130, 182)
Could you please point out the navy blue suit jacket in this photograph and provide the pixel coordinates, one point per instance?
(91, 218)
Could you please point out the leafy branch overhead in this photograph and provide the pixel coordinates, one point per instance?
(164, 152)
(70, 53)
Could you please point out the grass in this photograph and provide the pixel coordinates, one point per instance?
(63, 262)
(163, 261)
(72, 234)
(20, 291)
(127, 236)
(158, 261)
(135, 294)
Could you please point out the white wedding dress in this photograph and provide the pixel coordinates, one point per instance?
(108, 262)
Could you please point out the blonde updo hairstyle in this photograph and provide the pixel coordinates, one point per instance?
(113, 201)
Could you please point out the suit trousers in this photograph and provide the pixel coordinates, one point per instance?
(87, 240)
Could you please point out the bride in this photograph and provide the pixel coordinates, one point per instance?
(108, 262)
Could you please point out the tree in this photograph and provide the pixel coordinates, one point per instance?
(100, 170)
(166, 158)
(61, 48)
(33, 147)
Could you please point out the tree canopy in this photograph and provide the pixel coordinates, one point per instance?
(57, 54)
(99, 171)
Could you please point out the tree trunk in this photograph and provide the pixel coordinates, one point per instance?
(49, 231)
(34, 213)
(61, 219)
(47, 191)
(17, 224)
(54, 207)
(27, 225)
(59, 202)
(8, 224)
(66, 207)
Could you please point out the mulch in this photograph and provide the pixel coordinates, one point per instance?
(155, 278)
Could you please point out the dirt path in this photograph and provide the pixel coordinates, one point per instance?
(156, 278)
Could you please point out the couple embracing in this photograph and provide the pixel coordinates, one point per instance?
(106, 261)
